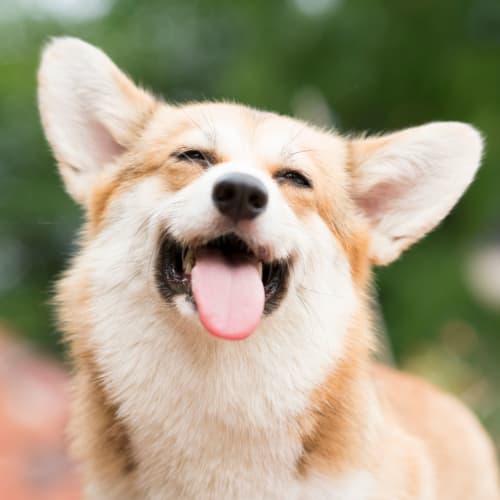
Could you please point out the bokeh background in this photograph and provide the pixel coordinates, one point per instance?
(358, 65)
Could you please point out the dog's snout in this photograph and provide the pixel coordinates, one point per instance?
(240, 196)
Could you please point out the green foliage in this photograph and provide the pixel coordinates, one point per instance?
(379, 65)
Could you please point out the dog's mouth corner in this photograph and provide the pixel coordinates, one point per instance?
(227, 282)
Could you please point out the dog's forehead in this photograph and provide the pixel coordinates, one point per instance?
(239, 133)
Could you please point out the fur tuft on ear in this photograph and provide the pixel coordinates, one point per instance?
(405, 183)
(91, 112)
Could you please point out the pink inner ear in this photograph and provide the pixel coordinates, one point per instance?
(105, 148)
(383, 198)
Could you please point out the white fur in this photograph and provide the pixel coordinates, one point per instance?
(356, 485)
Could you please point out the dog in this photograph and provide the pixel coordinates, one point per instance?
(218, 310)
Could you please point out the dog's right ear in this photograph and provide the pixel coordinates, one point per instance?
(91, 112)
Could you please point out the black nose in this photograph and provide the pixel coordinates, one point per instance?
(240, 196)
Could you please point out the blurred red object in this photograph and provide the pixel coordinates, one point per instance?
(33, 412)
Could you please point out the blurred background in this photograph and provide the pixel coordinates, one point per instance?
(358, 65)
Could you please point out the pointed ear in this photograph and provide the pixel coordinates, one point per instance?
(91, 112)
(406, 183)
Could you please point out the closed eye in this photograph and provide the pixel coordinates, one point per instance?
(203, 158)
(293, 177)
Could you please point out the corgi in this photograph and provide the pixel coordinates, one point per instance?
(218, 310)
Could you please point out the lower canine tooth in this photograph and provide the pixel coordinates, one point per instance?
(188, 262)
(259, 268)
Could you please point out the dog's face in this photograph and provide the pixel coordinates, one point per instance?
(234, 219)
(243, 208)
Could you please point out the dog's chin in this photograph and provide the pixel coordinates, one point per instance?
(176, 261)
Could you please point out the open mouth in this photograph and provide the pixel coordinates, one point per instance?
(225, 280)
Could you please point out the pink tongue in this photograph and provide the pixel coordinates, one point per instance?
(229, 294)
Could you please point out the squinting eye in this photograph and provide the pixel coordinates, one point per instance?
(200, 157)
(293, 177)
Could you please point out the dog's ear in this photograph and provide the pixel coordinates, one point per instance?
(406, 182)
(90, 110)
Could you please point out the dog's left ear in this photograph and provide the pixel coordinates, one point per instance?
(407, 182)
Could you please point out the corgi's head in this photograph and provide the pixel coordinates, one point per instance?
(221, 218)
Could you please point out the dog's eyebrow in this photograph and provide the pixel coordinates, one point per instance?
(209, 130)
(288, 158)
(288, 150)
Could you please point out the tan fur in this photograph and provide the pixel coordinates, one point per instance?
(363, 433)
(334, 430)
(95, 420)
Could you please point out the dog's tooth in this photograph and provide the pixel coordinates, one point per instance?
(259, 268)
(188, 261)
